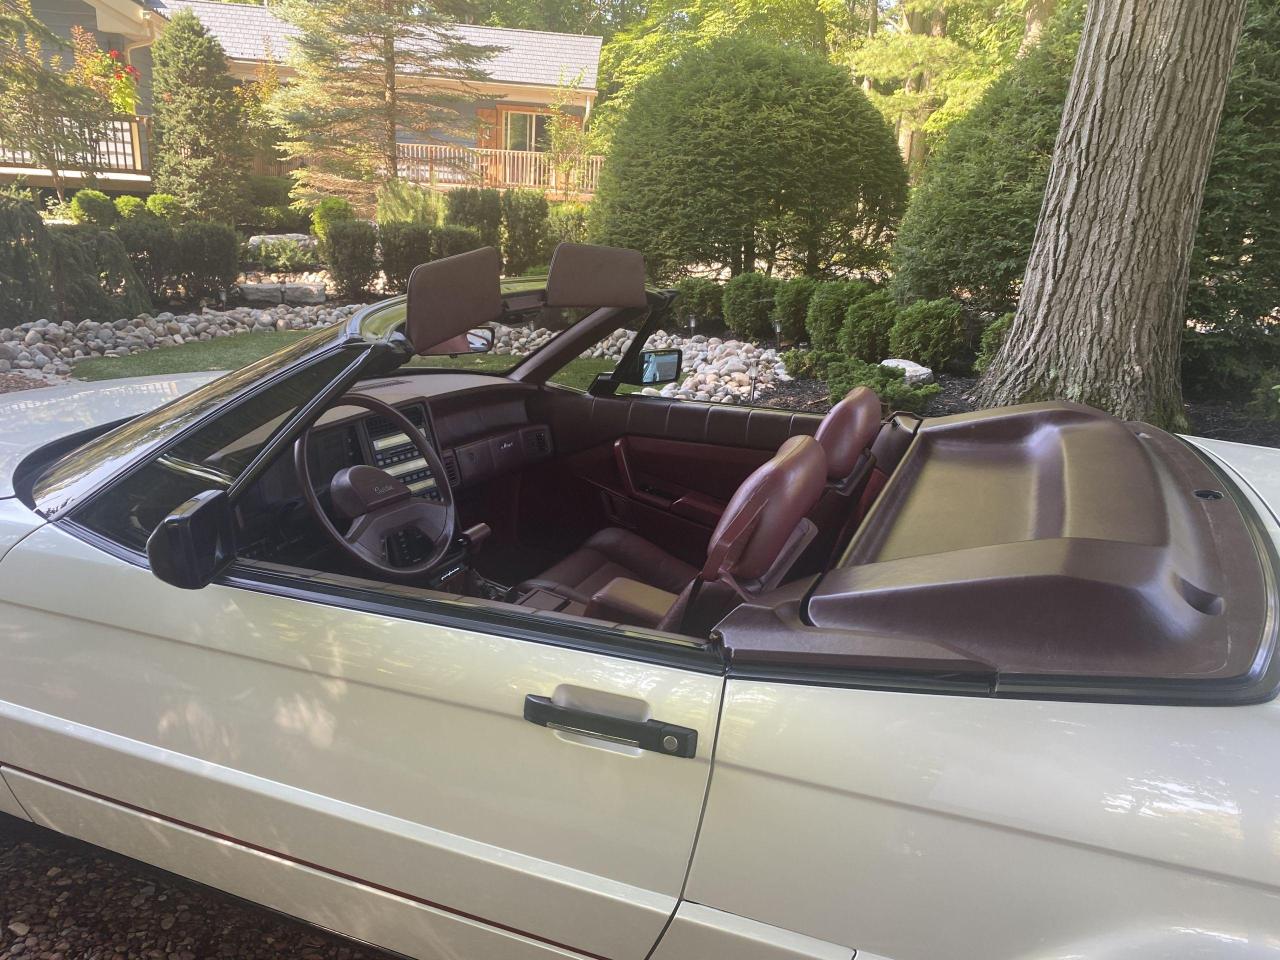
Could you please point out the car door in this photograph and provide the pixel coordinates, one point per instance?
(361, 761)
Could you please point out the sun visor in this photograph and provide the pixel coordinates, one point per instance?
(585, 275)
(451, 296)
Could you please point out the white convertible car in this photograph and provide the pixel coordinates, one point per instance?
(477, 666)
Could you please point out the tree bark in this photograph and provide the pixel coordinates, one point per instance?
(873, 24)
(911, 139)
(389, 91)
(1037, 14)
(1100, 318)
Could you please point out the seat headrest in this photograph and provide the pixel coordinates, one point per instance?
(586, 275)
(848, 429)
(451, 296)
(765, 511)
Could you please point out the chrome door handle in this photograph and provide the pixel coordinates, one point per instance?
(665, 738)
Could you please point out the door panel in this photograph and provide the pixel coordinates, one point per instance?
(921, 826)
(389, 751)
(700, 933)
(333, 902)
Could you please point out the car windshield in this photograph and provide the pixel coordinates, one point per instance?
(87, 466)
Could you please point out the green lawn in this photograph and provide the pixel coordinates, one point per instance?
(229, 353)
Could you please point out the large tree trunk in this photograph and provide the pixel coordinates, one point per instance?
(873, 24)
(1100, 318)
(1037, 14)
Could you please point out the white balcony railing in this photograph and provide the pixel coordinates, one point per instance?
(447, 165)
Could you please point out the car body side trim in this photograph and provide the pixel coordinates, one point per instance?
(289, 858)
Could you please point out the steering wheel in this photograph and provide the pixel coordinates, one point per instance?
(377, 504)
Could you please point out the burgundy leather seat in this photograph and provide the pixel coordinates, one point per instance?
(761, 533)
(847, 432)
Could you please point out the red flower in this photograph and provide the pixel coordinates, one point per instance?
(114, 54)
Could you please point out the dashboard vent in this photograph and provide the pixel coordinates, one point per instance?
(451, 468)
(381, 426)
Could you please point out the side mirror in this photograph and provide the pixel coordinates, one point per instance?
(195, 543)
(475, 340)
(657, 366)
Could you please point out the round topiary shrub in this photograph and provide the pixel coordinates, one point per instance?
(131, 208)
(930, 332)
(827, 308)
(748, 305)
(867, 322)
(791, 307)
(166, 206)
(93, 207)
(351, 250)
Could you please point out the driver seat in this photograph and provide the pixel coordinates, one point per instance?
(618, 575)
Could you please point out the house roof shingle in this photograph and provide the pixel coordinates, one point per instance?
(250, 32)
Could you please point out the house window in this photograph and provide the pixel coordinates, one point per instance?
(526, 131)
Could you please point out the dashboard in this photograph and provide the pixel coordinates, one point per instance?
(481, 432)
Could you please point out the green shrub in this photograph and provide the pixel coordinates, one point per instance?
(1265, 402)
(930, 332)
(479, 208)
(94, 207)
(700, 304)
(1226, 364)
(827, 308)
(92, 277)
(748, 305)
(26, 263)
(151, 247)
(888, 383)
(400, 201)
(567, 223)
(327, 212)
(404, 246)
(867, 322)
(809, 364)
(524, 219)
(451, 240)
(281, 218)
(131, 208)
(283, 255)
(993, 337)
(166, 206)
(791, 307)
(351, 250)
(206, 258)
(262, 190)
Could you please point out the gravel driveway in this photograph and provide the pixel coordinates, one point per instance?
(65, 900)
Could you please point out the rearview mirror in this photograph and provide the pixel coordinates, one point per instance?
(195, 543)
(475, 340)
(658, 366)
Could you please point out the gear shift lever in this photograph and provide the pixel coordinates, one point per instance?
(475, 536)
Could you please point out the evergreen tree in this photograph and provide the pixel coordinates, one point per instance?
(746, 152)
(201, 156)
(366, 71)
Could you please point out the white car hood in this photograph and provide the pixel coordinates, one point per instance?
(29, 419)
(1256, 467)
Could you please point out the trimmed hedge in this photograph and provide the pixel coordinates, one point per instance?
(748, 305)
(26, 253)
(827, 309)
(700, 305)
(404, 246)
(206, 258)
(166, 206)
(152, 249)
(791, 307)
(131, 208)
(351, 250)
(451, 240)
(479, 208)
(524, 219)
(567, 223)
(888, 383)
(867, 325)
(327, 212)
(930, 332)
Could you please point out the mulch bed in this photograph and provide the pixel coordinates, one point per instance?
(65, 900)
(11, 382)
(1219, 421)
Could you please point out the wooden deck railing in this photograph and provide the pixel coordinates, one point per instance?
(447, 165)
(122, 147)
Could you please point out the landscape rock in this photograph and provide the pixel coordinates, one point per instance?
(262, 292)
(914, 373)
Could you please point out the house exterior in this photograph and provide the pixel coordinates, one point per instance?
(530, 70)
